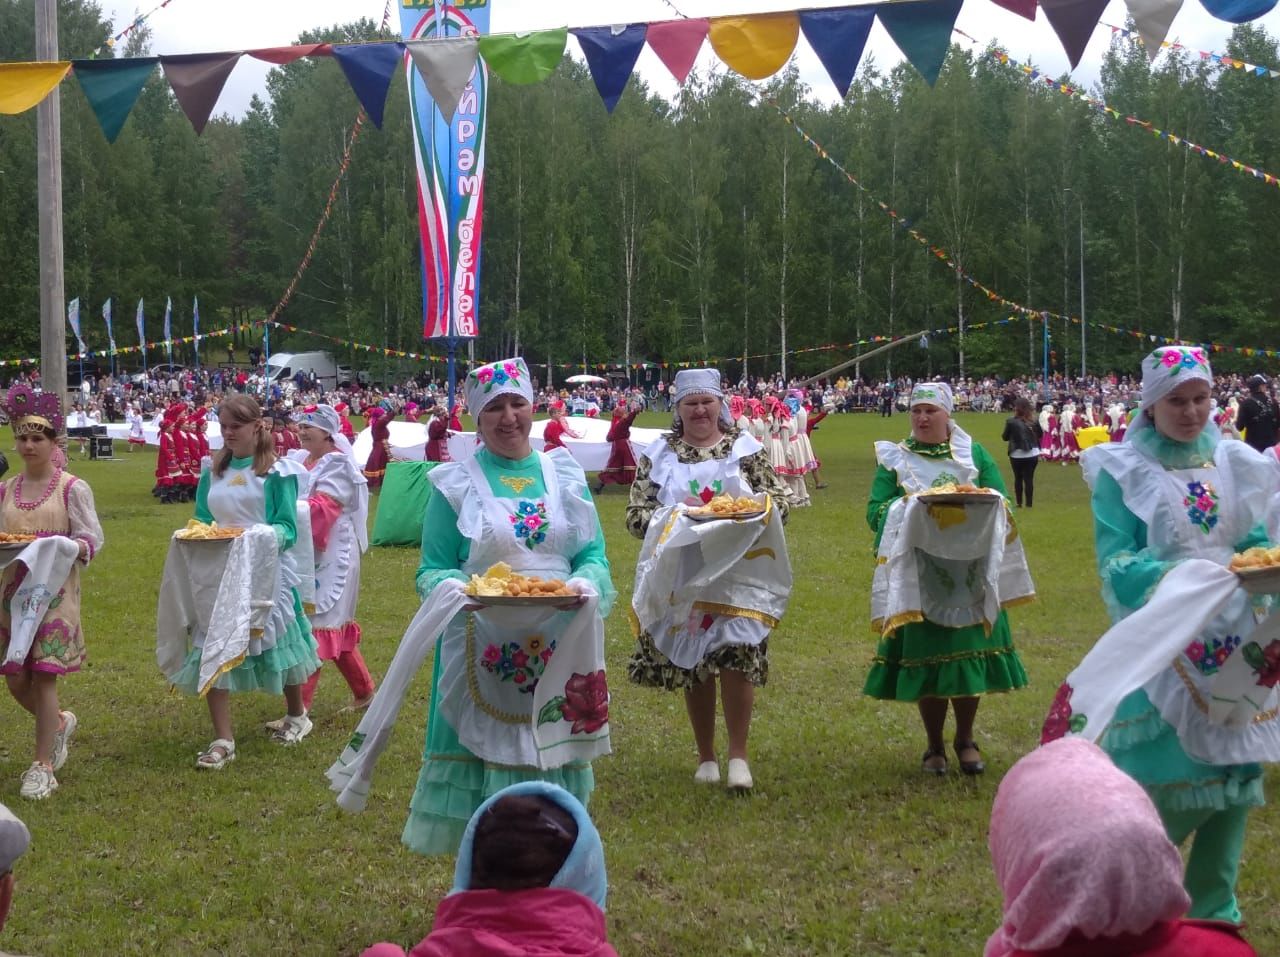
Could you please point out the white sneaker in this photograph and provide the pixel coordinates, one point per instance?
(62, 739)
(294, 730)
(708, 773)
(739, 775)
(38, 782)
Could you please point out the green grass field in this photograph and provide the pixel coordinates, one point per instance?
(844, 847)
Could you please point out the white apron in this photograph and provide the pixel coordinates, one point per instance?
(701, 587)
(525, 686)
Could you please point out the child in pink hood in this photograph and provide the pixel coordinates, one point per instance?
(531, 850)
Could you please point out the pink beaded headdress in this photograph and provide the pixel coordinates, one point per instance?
(30, 411)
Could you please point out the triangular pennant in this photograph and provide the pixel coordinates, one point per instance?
(1073, 21)
(838, 37)
(757, 46)
(369, 68)
(112, 87)
(1027, 8)
(611, 54)
(283, 55)
(446, 67)
(24, 85)
(525, 57)
(1153, 18)
(922, 32)
(1237, 11)
(677, 43)
(197, 80)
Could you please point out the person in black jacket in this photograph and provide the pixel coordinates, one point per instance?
(1258, 417)
(1023, 432)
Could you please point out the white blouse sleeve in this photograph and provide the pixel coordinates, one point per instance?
(83, 517)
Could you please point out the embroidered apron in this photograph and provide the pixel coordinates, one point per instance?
(534, 692)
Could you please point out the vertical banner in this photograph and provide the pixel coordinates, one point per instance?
(73, 320)
(168, 331)
(195, 327)
(106, 315)
(451, 171)
(142, 336)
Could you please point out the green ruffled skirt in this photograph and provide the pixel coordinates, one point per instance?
(1146, 747)
(454, 782)
(291, 661)
(924, 660)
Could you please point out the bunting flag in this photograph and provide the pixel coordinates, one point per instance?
(197, 80)
(369, 68)
(282, 56)
(922, 32)
(140, 319)
(73, 320)
(1153, 19)
(450, 156)
(677, 43)
(1023, 8)
(838, 38)
(611, 54)
(1253, 69)
(24, 85)
(112, 90)
(106, 315)
(139, 20)
(446, 68)
(525, 57)
(1065, 89)
(758, 46)
(1238, 11)
(1073, 21)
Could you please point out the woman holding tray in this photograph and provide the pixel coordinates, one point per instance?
(705, 455)
(942, 655)
(246, 484)
(502, 676)
(44, 500)
(1174, 490)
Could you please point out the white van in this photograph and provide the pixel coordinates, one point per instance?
(283, 366)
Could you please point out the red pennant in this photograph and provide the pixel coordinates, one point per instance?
(677, 42)
(1023, 8)
(282, 55)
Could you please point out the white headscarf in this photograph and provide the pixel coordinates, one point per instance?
(487, 382)
(325, 417)
(1163, 371)
(933, 393)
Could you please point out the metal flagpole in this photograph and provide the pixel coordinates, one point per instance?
(53, 341)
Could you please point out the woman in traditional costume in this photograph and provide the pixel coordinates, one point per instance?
(247, 485)
(134, 418)
(1049, 447)
(554, 431)
(949, 651)
(375, 468)
(799, 453)
(338, 496)
(812, 418)
(704, 455)
(518, 694)
(1173, 492)
(621, 467)
(438, 435)
(1069, 423)
(45, 501)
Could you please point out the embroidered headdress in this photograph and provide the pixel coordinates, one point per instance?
(932, 393)
(488, 382)
(30, 411)
(1170, 366)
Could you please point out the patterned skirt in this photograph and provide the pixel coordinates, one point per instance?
(651, 668)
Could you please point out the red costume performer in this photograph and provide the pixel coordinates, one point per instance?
(621, 467)
(168, 460)
(190, 444)
(380, 429)
(554, 432)
(437, 439)
(344, 423)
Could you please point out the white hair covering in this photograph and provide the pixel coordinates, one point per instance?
(700, 382)
(326, 417)
(933, 393)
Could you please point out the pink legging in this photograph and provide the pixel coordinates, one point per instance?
(351, 664)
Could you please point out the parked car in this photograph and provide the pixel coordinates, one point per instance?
(164, 368)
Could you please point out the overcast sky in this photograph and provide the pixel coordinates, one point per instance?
(197, 26)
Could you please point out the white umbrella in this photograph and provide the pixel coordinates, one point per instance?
(585, 380)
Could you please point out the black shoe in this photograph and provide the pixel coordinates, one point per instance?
(597, 489)
(969, 767)
(936, 770)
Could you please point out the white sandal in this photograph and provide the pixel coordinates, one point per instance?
(294, 730)
(221, 752)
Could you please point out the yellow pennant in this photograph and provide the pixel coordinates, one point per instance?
(755, 46)
(23, 85)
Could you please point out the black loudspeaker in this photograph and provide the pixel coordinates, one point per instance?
(100, 447)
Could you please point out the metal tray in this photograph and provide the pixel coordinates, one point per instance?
(960, 498)
(521, 601)
(1262, 580)
(739, 516)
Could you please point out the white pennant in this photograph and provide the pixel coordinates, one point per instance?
(446, 67)
(1153, 19)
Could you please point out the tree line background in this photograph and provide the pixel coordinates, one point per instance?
(674, 231)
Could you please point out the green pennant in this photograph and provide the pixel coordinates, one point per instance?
(922, 32)
(112, 87)
(525, 58)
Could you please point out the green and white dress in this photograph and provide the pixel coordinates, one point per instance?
(284, 653)
(926, 659)
(537, 515)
